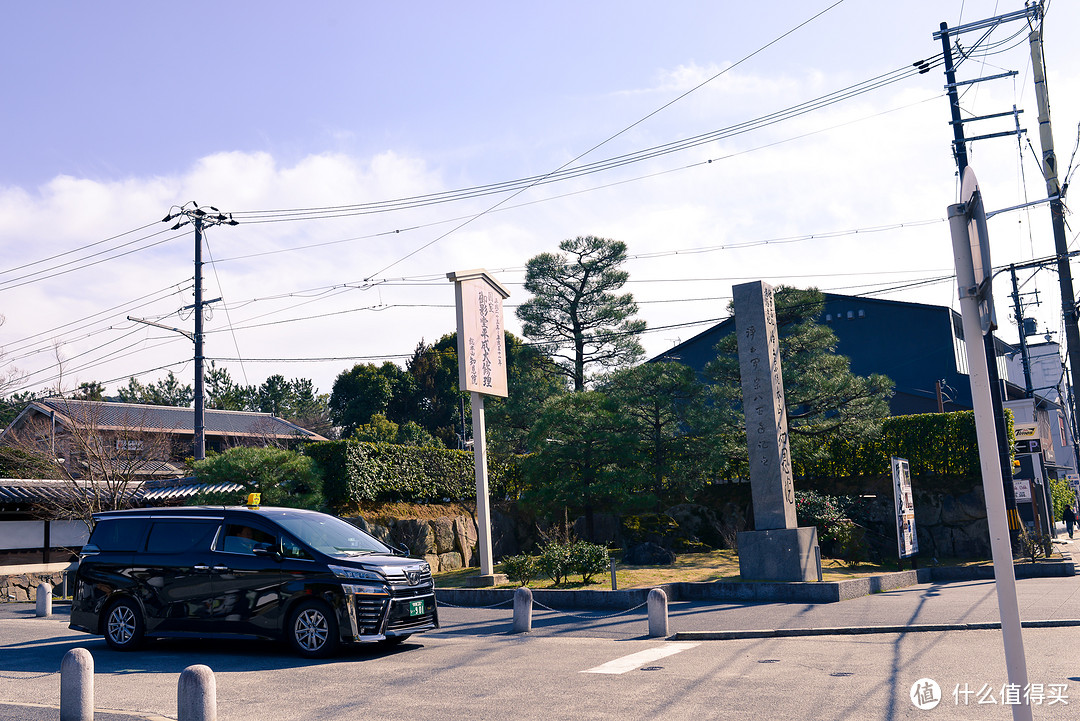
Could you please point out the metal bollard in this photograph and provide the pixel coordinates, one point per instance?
(77, 686)
(44, 600)
(658, 617)
(523, 604)
(196, 697)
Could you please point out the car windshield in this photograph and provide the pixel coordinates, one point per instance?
(332, 536)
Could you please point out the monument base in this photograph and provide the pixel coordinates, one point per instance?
(494, 579)
(780, 554)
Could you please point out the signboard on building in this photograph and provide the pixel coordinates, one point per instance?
(907, 540)
(1033, 438)
(1028, 445)
(1022, 490)
(481, 347)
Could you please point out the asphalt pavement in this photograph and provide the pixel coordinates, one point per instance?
(1052, 602)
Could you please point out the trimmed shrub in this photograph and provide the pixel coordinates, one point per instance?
(555, 562)
(588, 559)
(941, 448)
(838, 535)
(354, 471)
(520, 569)
(559, 560)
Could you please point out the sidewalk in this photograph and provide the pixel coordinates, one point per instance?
(937, 606)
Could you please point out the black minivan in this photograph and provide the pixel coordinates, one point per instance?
(309, 578)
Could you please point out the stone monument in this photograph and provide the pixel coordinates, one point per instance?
(777, 550)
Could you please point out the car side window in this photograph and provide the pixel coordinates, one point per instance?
(292, 549)
(167, 536)
(241, 538)
(118, 534)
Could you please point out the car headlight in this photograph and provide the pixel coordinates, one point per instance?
(355, 573)
(354, 588)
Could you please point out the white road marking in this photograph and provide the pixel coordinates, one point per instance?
(634, 660)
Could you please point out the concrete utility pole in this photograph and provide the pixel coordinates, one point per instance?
(971, 252)
(1056, 192)
(199, 218)
(989, 344)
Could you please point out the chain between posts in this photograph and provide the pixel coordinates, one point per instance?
(494, 605)
(554, 610)
(589, 618)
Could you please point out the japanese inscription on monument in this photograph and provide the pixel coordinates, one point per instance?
(772, 486)
(482, 362)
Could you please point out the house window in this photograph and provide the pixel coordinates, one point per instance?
(128, 444)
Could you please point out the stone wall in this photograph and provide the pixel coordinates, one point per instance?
(23, 587)
(948, 526)
(448, 542)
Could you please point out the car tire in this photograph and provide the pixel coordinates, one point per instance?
(124, 626)
(313, 630)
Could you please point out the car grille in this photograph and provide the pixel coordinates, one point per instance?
(369, 612)
(372, 610)
(398, 581)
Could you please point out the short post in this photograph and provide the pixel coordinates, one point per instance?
(658, 616)
(77, 686)
(614, 583)
(44, 600)
(196, 697)
(523, 604)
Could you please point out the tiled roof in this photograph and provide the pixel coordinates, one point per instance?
(106, 415)
(181, 489)
(22, 492)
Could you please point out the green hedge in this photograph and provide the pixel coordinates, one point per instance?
(355, 471)
(939, 446)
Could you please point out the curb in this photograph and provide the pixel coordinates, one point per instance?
(750, 591)
(34, 711)
(856, 630)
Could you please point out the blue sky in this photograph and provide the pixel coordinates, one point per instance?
(114, 112)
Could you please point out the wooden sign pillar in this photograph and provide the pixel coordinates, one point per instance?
(481, 371)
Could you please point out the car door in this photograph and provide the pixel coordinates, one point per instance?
(174, 575)
(248, 576)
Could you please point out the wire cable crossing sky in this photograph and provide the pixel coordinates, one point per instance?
(800, 145)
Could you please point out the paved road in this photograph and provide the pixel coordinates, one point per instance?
(587, 666)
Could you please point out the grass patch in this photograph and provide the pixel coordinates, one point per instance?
(720, 565)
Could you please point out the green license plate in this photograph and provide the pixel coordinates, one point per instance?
(416, 608)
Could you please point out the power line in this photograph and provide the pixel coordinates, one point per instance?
(75, 250)
(161, 294)
(10, 284)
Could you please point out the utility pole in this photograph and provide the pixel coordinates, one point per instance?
(971, 253)
(960, 152)
(1056, 192)
(1018, 313)
(199, 218)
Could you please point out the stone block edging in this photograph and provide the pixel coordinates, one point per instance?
(746, 591)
